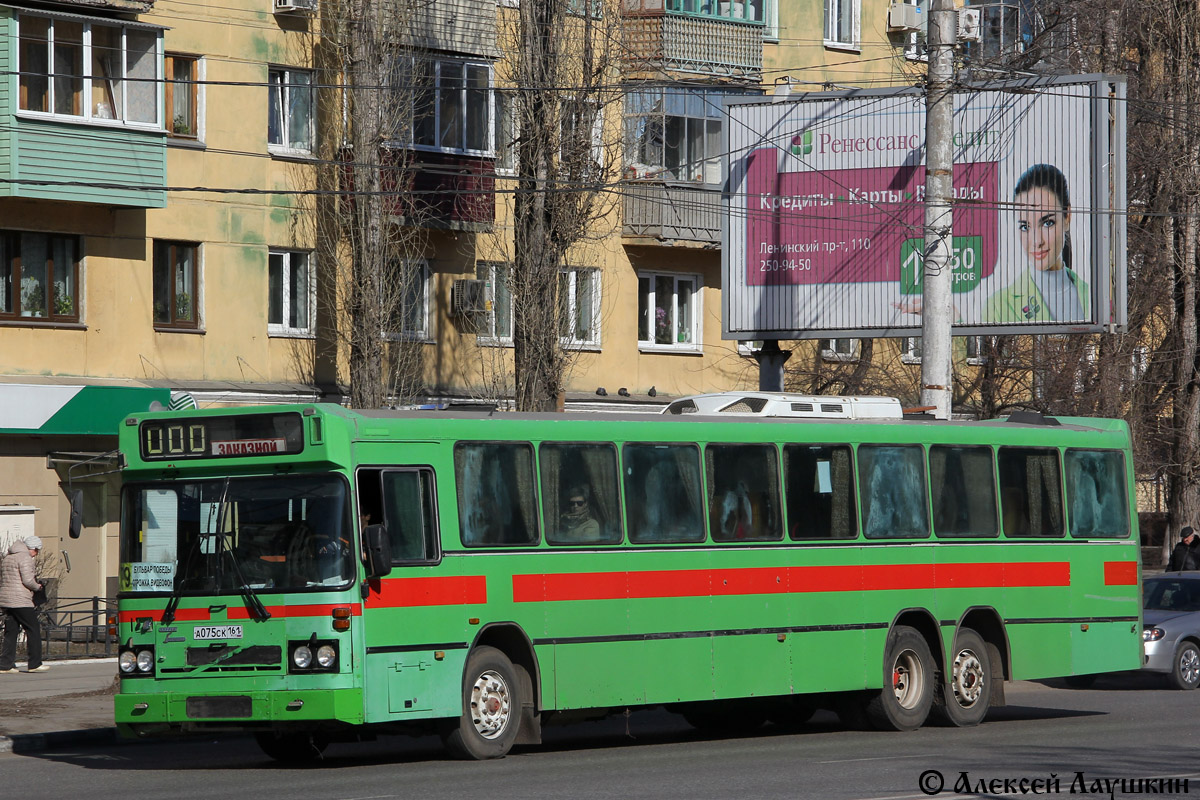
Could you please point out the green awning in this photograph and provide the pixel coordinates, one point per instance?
(72, 410)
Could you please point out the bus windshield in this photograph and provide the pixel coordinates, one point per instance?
(219, 536)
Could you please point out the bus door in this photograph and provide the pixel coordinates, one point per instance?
(412, 618)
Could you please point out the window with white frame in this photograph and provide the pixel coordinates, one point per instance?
(406, 300)
(504, 134)
(289, 293)
(495, 324)
(668, 313)
(292, 100)
(450, 104)
(579, 306)
(965, 346)
(842, 23)
(674, 133)
(771, 20)
(914, 44)
(99, 72)
(581, 146)
(840, 349)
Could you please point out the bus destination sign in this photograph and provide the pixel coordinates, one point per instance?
(221, 437)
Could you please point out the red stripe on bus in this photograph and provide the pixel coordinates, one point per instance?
(319, 610)
(412, 592)
(182, 615)
(1120, 573)
(768, 580)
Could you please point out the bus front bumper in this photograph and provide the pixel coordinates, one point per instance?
(179, 712)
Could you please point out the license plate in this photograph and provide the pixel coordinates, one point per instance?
(206, 632)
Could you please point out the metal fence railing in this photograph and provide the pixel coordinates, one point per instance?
(75, 627)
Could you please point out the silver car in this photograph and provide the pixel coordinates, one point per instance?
(1171, 627)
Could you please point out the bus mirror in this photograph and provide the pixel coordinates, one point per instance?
(379, 551)
(75, 525)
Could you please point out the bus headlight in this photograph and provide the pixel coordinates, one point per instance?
(326, 656)
(302, 657)
(127, 661)
(145, 661)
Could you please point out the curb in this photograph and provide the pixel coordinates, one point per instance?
(37, 742)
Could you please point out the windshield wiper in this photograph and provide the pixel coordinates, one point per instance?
(257, 609)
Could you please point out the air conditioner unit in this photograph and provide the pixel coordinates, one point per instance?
(970, 28)
(295, 6)
(469, 297)
(905, 18)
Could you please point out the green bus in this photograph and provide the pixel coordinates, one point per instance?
(312, 574)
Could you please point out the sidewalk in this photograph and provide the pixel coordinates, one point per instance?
(72, 702)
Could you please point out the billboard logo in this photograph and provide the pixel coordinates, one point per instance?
(802, 145)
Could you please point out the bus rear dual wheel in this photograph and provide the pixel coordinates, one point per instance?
(910, 689)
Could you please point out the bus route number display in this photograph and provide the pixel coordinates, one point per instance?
(221, 437)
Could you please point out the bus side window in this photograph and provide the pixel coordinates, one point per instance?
(1096, 495)
(891, 480)
(963, 484)
(743, 491)
(408, 512)
(1030, 491)
(496, 490)
(662, 493)
(580, 493)
(819, 486)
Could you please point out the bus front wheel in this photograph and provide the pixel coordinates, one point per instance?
(907, 695)
(965, 696)
(491, 708)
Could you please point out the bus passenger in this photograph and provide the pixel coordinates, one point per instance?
(578, 524)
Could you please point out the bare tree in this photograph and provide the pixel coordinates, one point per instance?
(563, 71)
(369, 234)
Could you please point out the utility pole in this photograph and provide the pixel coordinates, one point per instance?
(937, 310)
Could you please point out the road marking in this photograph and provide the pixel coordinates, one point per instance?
(877, 758)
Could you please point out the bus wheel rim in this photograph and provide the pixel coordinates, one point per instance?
(968, 678)
(491, 706)
(908, 679)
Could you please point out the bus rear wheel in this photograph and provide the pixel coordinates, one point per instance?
(292, 748)
(965, 697)
(907, 695)
(491, 713)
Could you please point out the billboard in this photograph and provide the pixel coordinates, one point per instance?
(824, 226)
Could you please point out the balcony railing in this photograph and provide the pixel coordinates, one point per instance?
(669, 212)
(693, 45)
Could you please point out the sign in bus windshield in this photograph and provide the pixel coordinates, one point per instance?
(221, 437)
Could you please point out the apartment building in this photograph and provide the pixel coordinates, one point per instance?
(162, 169)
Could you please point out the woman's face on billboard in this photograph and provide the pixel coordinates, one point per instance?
(1042, 225)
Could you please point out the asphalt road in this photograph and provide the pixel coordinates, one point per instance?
(1124, 728)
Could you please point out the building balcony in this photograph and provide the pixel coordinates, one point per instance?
(444, 191)
(671, 214)
(724, 43)
(80, 139)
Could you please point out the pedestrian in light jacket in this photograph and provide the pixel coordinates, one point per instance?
(17, 584)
